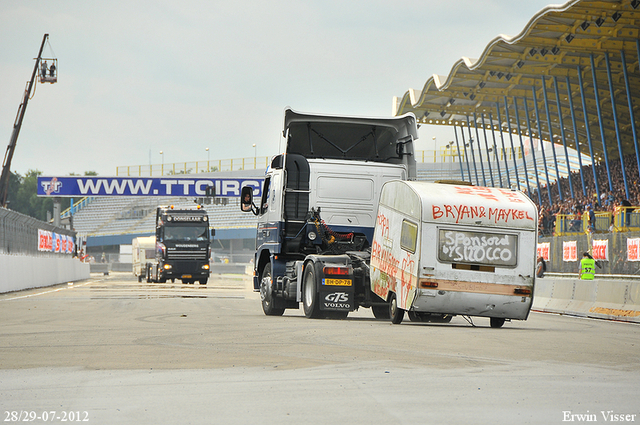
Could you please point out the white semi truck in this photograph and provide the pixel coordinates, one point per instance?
(321, 239)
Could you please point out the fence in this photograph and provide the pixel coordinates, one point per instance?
(444, 155)
(194, 167)
(19, 234)
(622, 219)
(614, 247)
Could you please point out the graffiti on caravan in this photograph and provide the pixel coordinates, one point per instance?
(129, 186)
(478, 248)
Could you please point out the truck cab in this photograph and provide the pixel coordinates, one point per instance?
(183, 246)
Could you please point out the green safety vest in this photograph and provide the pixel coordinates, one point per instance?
(588, 268)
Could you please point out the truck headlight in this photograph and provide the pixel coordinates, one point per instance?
(205, 266)
(166, 266)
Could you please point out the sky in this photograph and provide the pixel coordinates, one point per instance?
(140, 77)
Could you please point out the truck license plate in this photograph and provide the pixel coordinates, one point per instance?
(186, 276)
(336, 282)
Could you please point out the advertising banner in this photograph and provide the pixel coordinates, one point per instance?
(543, 250)
(633, 249)
(601, 250)
(142, 186)
(55, 242)
(570, 251)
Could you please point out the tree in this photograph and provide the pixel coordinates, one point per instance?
(23, 195)
(15, 180)
(27, 197)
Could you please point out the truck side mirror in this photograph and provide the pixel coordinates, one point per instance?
(246, 203)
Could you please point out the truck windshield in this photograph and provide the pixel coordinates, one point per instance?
(350, 141)
(185, 233)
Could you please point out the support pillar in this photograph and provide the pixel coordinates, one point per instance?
(588, 130)
(615, 122)
(553, 145)
(575, 134)
(544, 158)
(600, 121)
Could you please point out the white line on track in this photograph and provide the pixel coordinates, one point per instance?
(46, 292)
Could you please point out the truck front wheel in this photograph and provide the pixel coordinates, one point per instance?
(396, 313)
(266, 293)
(310, 293)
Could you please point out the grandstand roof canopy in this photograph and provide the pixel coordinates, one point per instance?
(564, 46)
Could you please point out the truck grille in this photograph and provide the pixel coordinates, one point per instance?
(186, 255)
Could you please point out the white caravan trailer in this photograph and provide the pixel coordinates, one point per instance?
(143, 251)
(441, 250)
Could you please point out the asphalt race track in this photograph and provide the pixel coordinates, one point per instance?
(112, 350)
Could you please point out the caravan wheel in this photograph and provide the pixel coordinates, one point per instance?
(496, 322)
(396, 313)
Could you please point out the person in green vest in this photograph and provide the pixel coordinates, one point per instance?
(587, 267)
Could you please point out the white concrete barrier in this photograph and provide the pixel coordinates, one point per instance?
(602, 298)
(18, 272)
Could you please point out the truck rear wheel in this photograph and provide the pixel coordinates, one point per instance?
(310, 293)
(396, 313)
(266, 293)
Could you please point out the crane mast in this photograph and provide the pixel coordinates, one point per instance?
(8, 156)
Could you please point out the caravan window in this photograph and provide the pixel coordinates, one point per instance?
(455, 246)
(409, 236)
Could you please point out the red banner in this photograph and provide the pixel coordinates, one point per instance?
(570, 251)
(601, 250)
(633, 249)
(543, 250)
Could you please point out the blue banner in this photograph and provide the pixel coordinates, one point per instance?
(141, 186)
